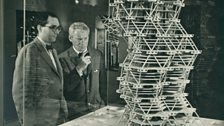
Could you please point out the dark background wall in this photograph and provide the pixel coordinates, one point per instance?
(204, 18)
(1, 63)
(9, 57)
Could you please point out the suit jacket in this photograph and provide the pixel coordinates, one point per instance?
(90, 90)
(38, 87)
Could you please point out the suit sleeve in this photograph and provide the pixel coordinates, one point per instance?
(25, 76)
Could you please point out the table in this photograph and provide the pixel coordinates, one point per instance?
(112, 116)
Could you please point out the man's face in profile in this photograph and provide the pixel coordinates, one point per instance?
(80, 39)
(50, 31)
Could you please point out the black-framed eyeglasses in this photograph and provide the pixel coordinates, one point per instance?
(54, 28)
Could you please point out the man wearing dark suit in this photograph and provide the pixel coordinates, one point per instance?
(38, 78)
(84, 73)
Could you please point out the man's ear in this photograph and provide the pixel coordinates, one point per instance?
(70, 38)
(39, 28)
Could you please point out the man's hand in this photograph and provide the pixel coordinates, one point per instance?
(85, 61)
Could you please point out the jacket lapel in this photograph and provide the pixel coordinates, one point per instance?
(46, 57)
(89, 68)
(72, 53)
(59, 68)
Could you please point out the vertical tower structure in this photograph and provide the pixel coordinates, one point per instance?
(155, 72)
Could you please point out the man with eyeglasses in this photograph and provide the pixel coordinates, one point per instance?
(38, 78)
(84, 73)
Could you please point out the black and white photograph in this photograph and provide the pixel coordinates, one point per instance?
(111, 63)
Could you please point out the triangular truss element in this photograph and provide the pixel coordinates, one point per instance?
(155, 72)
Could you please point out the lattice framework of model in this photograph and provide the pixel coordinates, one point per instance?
(161, 55)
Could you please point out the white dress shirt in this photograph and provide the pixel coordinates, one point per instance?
(50, 53)
(78, 51)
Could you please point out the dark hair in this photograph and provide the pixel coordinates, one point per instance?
(42, 18)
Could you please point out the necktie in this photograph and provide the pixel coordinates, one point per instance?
(50, 51)
(80, 54)
(49, 47)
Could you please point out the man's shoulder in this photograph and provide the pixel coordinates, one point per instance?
(29, 47)
(64, 53)
(95, 51)
(32, 44)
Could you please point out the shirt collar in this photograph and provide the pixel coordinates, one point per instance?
(77, 50)
(42, 42)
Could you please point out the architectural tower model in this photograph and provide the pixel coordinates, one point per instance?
(161, 55)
